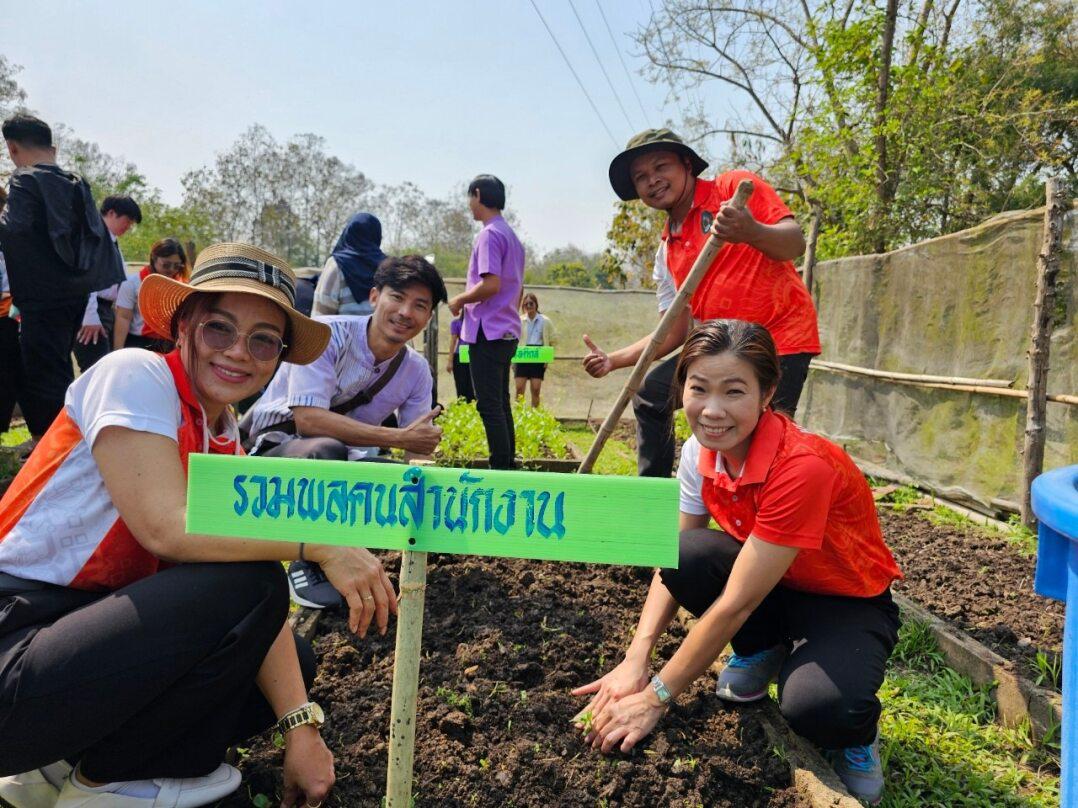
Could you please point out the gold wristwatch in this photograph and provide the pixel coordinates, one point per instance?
(309, 713)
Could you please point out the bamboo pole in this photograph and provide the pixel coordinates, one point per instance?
(696, 274)
(413, 584)
(1059, 398)
(911, 377)
(1040, 344)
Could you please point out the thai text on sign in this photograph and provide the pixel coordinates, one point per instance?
(518, 514)
(526, 354)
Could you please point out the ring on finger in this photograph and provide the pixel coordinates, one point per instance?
(368, 597)
(316, 805)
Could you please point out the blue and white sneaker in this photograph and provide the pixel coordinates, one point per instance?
(310, 587)
(860, 770)
(746, 678)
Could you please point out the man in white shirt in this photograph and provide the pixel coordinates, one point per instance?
(93, 340)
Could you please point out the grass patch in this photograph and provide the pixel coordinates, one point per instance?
(941, 515)
(902, 497)
(940, 744)
(617, 457)
(1024, 539)
(15, 436)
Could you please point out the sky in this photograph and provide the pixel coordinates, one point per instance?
(414, 90)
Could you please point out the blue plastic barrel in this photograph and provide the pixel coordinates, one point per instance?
(1055, 502)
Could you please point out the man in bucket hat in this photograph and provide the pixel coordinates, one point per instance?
(752, 278)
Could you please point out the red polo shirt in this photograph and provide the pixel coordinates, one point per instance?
(800, 490)
(743, 283)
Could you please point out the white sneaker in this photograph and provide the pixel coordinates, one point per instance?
(187, 792)
(38, 788)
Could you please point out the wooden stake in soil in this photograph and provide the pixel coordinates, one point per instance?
(696, 274)
(1040, 339)
(413, 583)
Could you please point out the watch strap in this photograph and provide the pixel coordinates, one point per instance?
(660, 689)
(304, 714)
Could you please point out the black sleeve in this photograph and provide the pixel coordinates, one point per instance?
(17, 217)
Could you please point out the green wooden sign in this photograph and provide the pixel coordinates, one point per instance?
(525, 353)
(518, 514)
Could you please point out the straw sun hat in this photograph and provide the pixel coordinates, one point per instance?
(232, 267)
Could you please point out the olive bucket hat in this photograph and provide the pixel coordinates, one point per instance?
(647, 141)
(233, 267)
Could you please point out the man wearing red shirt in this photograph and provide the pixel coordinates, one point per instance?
(752, 278)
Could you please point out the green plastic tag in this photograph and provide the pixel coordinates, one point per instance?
(525, 353)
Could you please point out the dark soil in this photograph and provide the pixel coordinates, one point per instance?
(977, 580)
(504, 642)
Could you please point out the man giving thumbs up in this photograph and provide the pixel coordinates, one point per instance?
(334, 408)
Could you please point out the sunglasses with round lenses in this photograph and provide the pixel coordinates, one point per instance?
(220, 335)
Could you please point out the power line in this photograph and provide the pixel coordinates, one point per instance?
(575, 76)
(617, 50)
(600, 61)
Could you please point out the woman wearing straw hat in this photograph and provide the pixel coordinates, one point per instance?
(128, 647)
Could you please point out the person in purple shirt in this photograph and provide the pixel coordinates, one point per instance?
(491, 325)
(312, 411)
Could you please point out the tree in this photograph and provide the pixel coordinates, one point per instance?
(292, 197)
(12, 95)
(631, 243)
(893, 120)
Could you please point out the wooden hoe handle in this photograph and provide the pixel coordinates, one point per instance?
(699, 269)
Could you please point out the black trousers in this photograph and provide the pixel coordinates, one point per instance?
(490, 361)
(156, 679)
(87, 355)
(10, 370)
(46, 340)
(655, 403)
(840, 645)
(462, 379)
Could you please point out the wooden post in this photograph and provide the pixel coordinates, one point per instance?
(1040, 339)
(413, 584)
(430, 348)
(696, 274)
(808, 267)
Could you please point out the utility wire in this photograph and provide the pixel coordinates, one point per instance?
(617, 50)
(606, 75)
(575, 76)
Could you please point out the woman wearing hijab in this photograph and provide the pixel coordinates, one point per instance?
(345, 284)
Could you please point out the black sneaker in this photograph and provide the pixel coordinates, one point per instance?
(310, 587)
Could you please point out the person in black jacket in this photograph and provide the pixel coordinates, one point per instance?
(57, 252)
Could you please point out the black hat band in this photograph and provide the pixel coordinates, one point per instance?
(247, 269)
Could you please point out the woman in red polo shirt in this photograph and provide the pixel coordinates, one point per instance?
(797, 579)
(129, 646)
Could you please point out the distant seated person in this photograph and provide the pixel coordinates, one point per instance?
(344, 287)
(333, 408)
(168, 258)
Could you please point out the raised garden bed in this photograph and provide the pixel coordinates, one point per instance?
(504, 642)
(979, 581)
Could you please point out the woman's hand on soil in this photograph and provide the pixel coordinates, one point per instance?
(624, 680)
(308, 768)
(626, 721)
(363, 583)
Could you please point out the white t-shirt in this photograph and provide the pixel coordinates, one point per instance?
(72, 512)
(691, 501)
(665, 288)
(127, 298)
